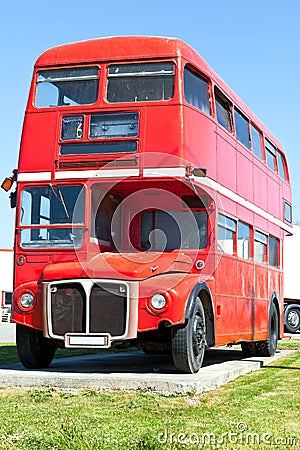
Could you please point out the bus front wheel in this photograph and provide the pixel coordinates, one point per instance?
(35, 352)
(189, 341)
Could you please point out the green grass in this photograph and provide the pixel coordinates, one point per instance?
(252, 412)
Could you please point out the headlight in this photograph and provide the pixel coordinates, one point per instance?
(158, 301)
(26, 300)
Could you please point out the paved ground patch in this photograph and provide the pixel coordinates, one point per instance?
(136, 371)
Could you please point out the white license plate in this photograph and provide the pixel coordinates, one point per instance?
(87, 340)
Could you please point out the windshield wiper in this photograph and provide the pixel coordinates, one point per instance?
(60, 198)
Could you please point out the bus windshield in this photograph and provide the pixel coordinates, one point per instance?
(67, 87)
(43, 212)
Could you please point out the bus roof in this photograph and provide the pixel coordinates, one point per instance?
(124, 48)
(116, 48)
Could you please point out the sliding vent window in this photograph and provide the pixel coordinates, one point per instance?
(113, 125)
(67, 87)
(140, 82)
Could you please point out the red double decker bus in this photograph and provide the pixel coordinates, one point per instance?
(151, 207)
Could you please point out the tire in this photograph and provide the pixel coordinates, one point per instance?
(189, 341)
(292, 318)
(35, 351)
(269, 347)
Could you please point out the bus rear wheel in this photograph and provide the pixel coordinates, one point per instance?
(189, 341)
(269, 347)
(35, 352)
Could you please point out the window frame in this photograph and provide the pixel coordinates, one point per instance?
(226, 104)
(270, 150)
(137, 75)
(254, 148)
(80, 78)
(281, 166)
(229, 225)
(261, 238)
(242, 119)
(240, 223)
(199, 77)
(287, 212)
(272, 255)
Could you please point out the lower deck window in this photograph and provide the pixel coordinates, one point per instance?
(243, 243)
(170, 230)
(226, 234)
(273, 251)
(260, 247)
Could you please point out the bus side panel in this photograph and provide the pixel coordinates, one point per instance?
(225, 299)
(162, 135)
(200, 141)
(37, 147)
(246, 301)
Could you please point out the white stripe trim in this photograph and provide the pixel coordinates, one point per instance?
(155, 172)
(34, 176)
(241, 201)
(165, 172)
(102, 173)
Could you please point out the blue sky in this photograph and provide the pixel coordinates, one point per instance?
(254, 46)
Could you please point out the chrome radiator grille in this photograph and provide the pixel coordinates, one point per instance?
(87, 306)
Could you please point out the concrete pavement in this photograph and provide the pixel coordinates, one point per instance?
(136, 371)
(132, 370)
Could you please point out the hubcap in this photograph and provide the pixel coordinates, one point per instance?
(198, 335)
(293, 319)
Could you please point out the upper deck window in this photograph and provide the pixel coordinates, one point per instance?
(223, 110)
(242, 128)
(67, 87)
(140, 82)
(270, 155)
(256, 139)
(196, 91)
(282, 169)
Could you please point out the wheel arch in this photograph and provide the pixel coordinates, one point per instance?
(202, 291)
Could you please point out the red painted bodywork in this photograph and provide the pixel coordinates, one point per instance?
(171, 134)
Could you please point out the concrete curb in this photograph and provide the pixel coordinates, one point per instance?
(136, 371)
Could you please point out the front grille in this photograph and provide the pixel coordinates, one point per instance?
(85, 308)
(108, 310)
